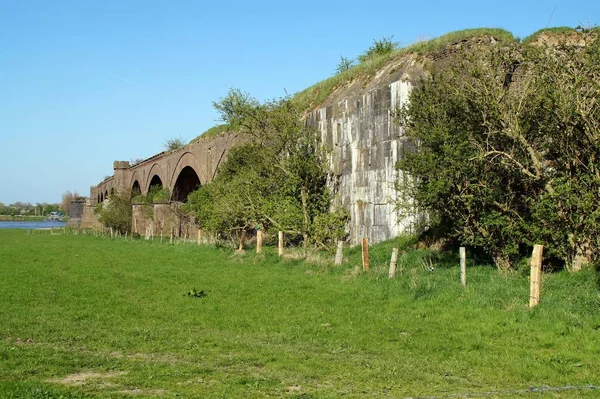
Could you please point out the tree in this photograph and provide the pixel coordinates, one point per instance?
(67, 198)
(380, 47)
(174, 144)
(116, 212)
(344, 65)
(277, 179)
(506, 149)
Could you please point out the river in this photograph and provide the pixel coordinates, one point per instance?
(45, 224)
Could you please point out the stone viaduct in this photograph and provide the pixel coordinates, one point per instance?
(357, 123)
(180, 171)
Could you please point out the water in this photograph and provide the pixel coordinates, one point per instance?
(46, 224)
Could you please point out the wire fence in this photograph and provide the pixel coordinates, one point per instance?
(521, 391)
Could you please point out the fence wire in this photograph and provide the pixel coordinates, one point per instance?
(541, 389)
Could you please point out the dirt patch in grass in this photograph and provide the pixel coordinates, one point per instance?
(85, 377)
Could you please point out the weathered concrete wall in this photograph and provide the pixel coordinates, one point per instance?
(366, 141)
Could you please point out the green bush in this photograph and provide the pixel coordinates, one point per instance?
(505, 149)
(379, 48)
(116, 212)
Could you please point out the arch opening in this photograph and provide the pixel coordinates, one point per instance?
(136, 189)
(101, 197)
(105, 194)
(155, 182)
(112, 191)
(186, 182)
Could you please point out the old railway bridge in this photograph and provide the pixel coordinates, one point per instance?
(180, 172)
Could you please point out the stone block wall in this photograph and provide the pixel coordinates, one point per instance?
(76, 209)
(365, 142)
(141, 218)
(163, 219)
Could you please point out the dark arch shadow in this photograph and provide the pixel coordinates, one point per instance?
(106, 194)
(112, 191)
(186, 182)
(155, 181)
(136, 189)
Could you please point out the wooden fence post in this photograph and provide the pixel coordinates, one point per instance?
(339, 255)
(463, 266)
(394, 262)
(199, 236)
(536, 275)
(365, 254)
(259, 240)
(242, 241)
(280, 243)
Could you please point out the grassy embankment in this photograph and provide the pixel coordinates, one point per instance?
(100, 317)
(315, 95)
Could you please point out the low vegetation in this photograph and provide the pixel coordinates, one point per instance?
(156, 194)
(555, 31)
(174, 144)
(212, 132)
(98, 317)
(116, 212)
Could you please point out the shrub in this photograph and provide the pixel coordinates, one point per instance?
(380, 47)
(116, 212)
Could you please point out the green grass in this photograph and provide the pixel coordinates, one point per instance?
(117, 310)
(212, 133)
(557, 31)
(434, 45)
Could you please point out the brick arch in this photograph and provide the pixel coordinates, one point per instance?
(135, 177)
(155, 170)
(187, 159)
(186, 162)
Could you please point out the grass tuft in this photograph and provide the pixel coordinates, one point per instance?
(211, 133)
(556, 31)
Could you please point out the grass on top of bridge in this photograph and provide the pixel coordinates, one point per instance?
(84, 316)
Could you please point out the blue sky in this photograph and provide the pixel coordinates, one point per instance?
(84, 83)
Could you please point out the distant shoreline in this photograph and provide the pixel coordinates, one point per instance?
(28, 218)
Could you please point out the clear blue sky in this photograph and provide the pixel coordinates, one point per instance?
(84, 83)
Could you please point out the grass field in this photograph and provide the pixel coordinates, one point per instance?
(85, 316)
